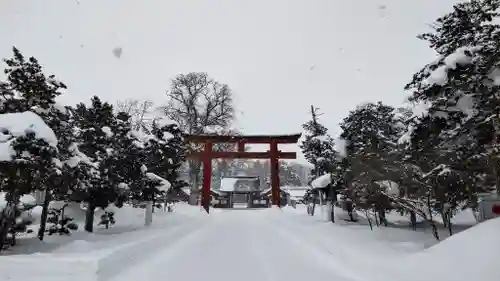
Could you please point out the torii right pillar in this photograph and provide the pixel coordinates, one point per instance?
(275, 174)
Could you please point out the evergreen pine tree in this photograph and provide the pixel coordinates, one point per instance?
(95, 140)
(166, 151)
(461, 91)
(27, 88)
(318, 146)
(30, 166)
(371, 133)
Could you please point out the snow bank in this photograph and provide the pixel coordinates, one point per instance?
(48, 267)
(468, 255)
(322, 181)
(102, 254)
(14, 125)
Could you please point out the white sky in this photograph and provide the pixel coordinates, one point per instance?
(334, 54)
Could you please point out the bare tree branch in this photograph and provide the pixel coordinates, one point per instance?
(139, 112)
(197, 102)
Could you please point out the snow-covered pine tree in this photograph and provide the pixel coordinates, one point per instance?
(95, 140)
(288, 176)
(124, 164)
(371, 135)
(27, 88)
(29, 166)
(318, 149)
(166, 151)
(318, 146)
(161, 155)
(460, 88)
(454, 143)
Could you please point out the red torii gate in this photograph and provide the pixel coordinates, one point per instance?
(273, 154)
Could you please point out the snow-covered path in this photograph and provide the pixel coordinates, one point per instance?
(244, 245)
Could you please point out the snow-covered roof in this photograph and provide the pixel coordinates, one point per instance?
(287, 187)
(218, 192)
(186, 190)
(228, 184)
(297, 192)
(14, 125)
(268, 190)
(165, 184)
(265, 191)
(322, 181)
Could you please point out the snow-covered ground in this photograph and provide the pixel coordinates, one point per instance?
(266, 244)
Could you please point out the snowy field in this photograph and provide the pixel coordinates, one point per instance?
(267, 244)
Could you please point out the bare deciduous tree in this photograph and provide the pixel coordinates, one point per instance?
(200, 105)
(139, 111)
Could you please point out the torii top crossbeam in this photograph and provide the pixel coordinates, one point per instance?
(251, 139)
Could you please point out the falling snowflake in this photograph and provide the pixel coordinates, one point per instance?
(117, 52)
(382, 11)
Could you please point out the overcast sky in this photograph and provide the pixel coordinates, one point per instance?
(278, 56)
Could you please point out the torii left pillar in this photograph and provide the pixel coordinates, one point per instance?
(207, 175)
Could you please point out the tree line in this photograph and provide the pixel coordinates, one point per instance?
(438, 156)
(96, 155)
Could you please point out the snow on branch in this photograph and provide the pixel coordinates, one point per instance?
(461, 57)
(322, 181)
(164, 184)
(13, 125)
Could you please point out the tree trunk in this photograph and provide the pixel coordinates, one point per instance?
(332, 212)
(445, 220)
(6, 220)
(434, 230)
(45, 209)
(321, 204)
(494, 156)
(431, 219)
(194, 177)
(382, 217)
(413, 220)
(149, 213)
(314, 205)
(332, 199)
(448, 223)
(89, 217)
(350, 211)
(369, 220)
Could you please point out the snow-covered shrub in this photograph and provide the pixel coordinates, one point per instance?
(107, 219)
(59, 223)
